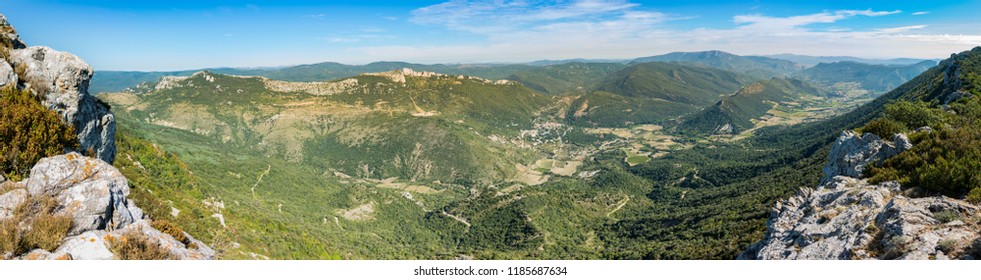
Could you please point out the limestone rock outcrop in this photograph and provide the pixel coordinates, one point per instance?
(93, 193)
(852, 152)
(62, 80)
(847, 218)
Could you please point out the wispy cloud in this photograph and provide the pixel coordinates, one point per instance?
(768, 23)
(529, 30)
(314, 16)
(900, 29)
(487, 17)
(921, 13)
(358, 38)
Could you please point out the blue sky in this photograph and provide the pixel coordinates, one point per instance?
(171, 35)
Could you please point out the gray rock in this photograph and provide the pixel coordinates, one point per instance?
(135, 211)
(62, 79)
(10, 200)
(957, 95)
(926, 129)
(8, 31)
(177, 249)
(826, 223)
(911, 229)
(2, 179)
(7, 75)
(901, 143)
(849, 219)
(90, 245)
(851, 152)
(91, 190)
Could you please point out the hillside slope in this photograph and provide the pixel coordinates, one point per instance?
(757, 66)
(567, 78)
(874, 78)
(653, 92)
(739, 111)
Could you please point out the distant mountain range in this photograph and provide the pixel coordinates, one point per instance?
(814, 60)
(878, 78)
(758, 66)
(762, 67)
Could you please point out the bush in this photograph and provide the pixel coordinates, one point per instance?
(34, 225)
(913, 114)
(945, 162)
(947, 216)
(947, 245)
(48, 231)
(135, 246)
(884, 128)
(974, 195)
(171, 229)
(9, 236)
(30, 132)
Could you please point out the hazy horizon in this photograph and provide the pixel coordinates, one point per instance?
(183, 35)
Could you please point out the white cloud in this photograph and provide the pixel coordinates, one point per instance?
(486, 17)
(531, 30)
(901, 29)
(763, 23)
(343, 40)
(920, 13)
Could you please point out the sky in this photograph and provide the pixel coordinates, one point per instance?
(178, 35)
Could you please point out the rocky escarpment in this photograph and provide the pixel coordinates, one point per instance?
(847, 218)
(852, 152)
(73, 206)
(94, 195)
(62, 80)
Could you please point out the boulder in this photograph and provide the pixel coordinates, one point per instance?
(10, 200)
(90, 245)
(62, 79)
(7, 75)
(827, 223)
(915, 228)
(96, 244)
(177, 249)
(94, 194)
(9, 34)
(89, 189)
(851, 152)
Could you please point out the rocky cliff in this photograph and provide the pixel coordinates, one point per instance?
(85, 200)
(72, 206)
(847, 218)
(62, 80)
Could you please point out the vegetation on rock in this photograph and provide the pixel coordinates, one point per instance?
(30, 132)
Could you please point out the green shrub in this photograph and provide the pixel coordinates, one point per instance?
(884, 128)
(30, 132)
(947, 216)
(974, 195)
(913, 114)
(944, 162)
(947, 245)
